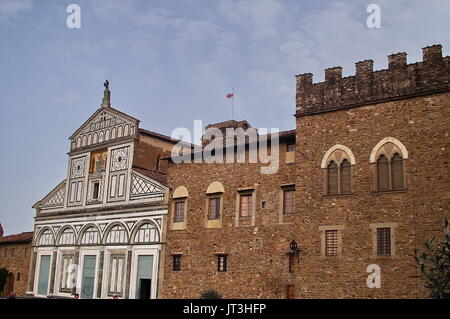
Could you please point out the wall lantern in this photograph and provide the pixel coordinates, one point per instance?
(295, 251)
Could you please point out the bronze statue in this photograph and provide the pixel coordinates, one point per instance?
(106, 84)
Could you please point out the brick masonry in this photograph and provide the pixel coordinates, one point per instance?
(407, 102)
(15, 257)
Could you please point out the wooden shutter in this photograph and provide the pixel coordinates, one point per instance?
(289, 201)
(346, 178)
(332, 182)
(383, 173)
(397, 172)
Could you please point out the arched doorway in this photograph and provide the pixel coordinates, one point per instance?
(9, 284)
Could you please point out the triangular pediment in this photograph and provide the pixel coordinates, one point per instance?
(145, 186)
(104, 125)
(55, 198)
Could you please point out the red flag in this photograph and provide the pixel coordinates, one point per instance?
(230, 95)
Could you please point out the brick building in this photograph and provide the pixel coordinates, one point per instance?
(15, 251)
(363, 179)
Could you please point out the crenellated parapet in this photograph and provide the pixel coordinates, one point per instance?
(400, 80)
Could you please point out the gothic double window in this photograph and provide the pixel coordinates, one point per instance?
(387, 159)
(337, 164)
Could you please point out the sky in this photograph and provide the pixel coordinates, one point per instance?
(172, 62)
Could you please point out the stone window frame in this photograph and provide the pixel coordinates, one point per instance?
(282, 189)
(180, 194)
(331, 155)
(323, 229)
(393, 231)
(381, 149)
(180, 257)
(214, 190)
(244, 192)
(225, 258)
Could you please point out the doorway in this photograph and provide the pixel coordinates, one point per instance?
(146, 285)
(87, 286)
(9, 284)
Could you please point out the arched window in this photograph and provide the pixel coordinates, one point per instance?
(67, 237)
(147, 233)
(388, 157)
(117, 235)
(46, 238)
(90, 236)
(337, 163)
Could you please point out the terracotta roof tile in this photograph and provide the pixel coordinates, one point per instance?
(160, 178)
(22, 237)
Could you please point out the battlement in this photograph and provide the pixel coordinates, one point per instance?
(400, 80)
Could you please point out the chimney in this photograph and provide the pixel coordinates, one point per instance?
(432, 54)
(1, 230)
(333, 75)
(397, 60)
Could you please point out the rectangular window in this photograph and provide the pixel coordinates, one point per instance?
(95, 191)
(116, 271)
(66, 285)
(214, 208)
(246, 205)
(179, 212)
(331, 243)
(18, 276)
(289, 201)
(384, 241)
(222, 263)
(176, 262)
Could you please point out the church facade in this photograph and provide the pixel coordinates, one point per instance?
(99, 233)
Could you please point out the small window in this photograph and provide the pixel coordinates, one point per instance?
(95, 191)
(263, 204)
(290, 147)
(289, 201)
(222, 263)
(214, 208)
(246, 205)
(18, 276)
(176, 265)
(384, 241)
(179, 211)
(331, 243)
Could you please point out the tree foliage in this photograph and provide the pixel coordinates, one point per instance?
(3, 277)
(210, 294)
(433, 262)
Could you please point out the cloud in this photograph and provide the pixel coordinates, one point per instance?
(11, 8)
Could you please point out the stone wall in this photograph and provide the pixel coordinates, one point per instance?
(18, 264)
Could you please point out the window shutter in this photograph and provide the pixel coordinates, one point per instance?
(397, 172)
(332, 186)
(383, 173)
(346, 177)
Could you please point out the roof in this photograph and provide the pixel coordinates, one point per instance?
(283, 135)
(160, 178)
(158, 135)
(25, 237)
